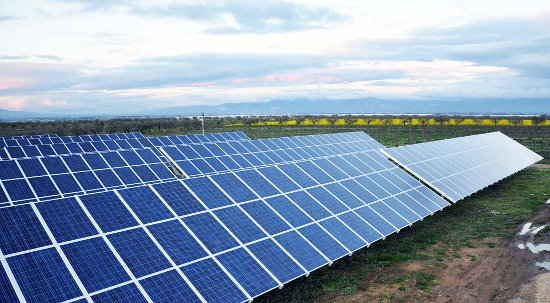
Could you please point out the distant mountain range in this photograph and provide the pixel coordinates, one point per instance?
(326, 106)
(366, 106)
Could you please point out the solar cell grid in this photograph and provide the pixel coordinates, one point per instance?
(257, 236)
(459, 167)
(46, 177)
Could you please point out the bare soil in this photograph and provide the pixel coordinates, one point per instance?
(541, 165)
(494, 270)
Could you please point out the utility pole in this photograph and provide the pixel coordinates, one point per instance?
(202, 123)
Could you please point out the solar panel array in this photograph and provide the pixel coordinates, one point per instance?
(221, 238)
(54, 146)
(227, 234)
(459, 167)
(213, 158)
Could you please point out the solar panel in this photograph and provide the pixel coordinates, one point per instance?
(225, 237)
(47, 178)
(459, 167)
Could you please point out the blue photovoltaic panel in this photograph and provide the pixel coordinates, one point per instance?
(208, 192)
(55, 165)
(276, 260)
(177, 242)
(48, 281)
(95, 264)
(376, 220)
(385, 211)
(212, 283)
(128, 293)
(32, 167)
(21, 230)
(178, 198)
(66, 219)
(18, 189)
(301, 250)
(297, 175)
(139, 252)
(9, 170)
(343, 234)
(362, 228)
(345, 195)
(239, 224)
(66, 183)
(328, 200)
(234, 187)
(169, 287)
(43, 186)
(95, 161)
(267, 219)
(108, 178)
(309, 205)
(75, 163)
(145, 173)
(258, 183)
(210, 232)
(145, 204)
(279, 179)
(108, 211)
(88, 180)
(288, 210)
(8, 293)
(249, 273)
(127, 175)
(323, 241)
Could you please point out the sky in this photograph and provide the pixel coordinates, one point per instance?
(121, 57)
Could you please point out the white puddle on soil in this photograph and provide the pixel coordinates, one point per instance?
(544, 264)
(527, 235)
(527, 229)
(538, 248)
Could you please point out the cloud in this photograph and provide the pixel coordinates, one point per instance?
(24, 77)
(258, 17)
(49, 57)
(227, 17)
(517, 43)
(8, 18)
(13, 57)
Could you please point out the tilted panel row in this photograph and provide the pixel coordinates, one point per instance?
(228, 156)
(70, 145)
(28, 137)
(49, 139)
(198, 139)
(459, 167)
(221, 238)
(46, 178)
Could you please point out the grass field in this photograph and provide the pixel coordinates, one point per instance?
(492, 213)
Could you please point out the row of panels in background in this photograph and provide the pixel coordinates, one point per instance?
(44, 178)
(29, 151)
(221, 238)
(459, 167)
(49, 146)
(208, 159)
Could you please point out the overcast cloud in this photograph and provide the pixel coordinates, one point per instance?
(104, 56)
